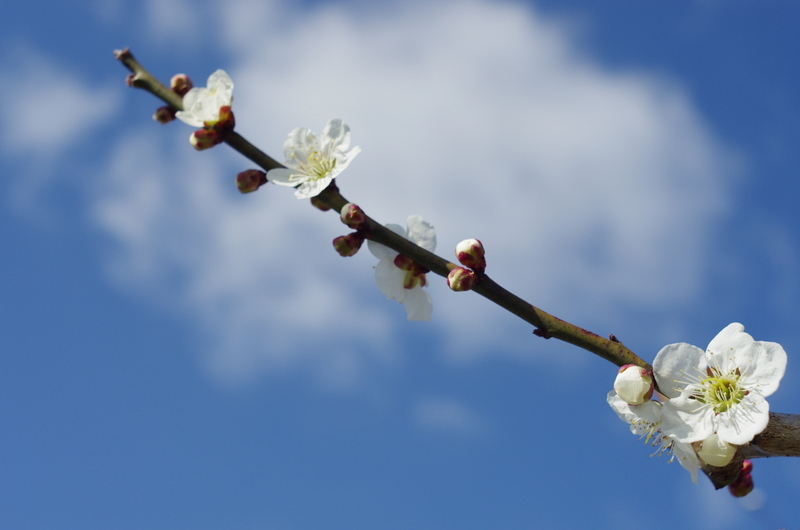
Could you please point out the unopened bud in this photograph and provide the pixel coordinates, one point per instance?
(318, 204)
(716, 452)
(250, 180)
(352, 215)
(180, 84)
(461, 279)
(742, 486)
(634, 384)
(470, 254)
(164, 114)
(747, 468)
(130, 79)
(203, 139)
(348, 245)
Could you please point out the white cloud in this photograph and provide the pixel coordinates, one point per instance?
(446, 415)
(48, 107)
(591, 189)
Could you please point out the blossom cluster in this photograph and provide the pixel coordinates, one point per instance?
(714, 400)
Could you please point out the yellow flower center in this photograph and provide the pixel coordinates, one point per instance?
(721, 391)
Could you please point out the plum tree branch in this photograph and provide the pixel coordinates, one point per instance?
(780, 438)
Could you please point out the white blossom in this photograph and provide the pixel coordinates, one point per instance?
(312, 163)
(398, 277)
(645, 421)
(720, 390)
(201, 105)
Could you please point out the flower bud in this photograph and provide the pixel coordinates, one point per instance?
(716, 452)
(250, 180)
(634, 384)
(180, 84)
(164, 114)
(353, 216)
(130, 79)
(203, 139)
(742, 486)
(348, 245)
(747, 467)
(318, 204)
(470, 254)
(461, 279)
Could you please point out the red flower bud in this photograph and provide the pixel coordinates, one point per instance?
(461, 279)
(348, 245)
(470, 254)
(250, 180)
(164, 114)
(353, 216)
(180, 84)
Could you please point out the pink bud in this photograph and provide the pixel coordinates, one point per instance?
(742, 486)
(353, 216)
(180, 84)
(747, 467)
(348, 245)
(203, 139)
(250, 180)
(318, 204)
(164, 114)
(461, 279)
(470, 254)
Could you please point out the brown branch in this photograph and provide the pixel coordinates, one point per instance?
(780, 438)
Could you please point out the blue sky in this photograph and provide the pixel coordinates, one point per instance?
(176, 355)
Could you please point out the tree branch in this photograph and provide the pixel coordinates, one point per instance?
(780, 438)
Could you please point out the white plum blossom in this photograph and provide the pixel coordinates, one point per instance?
(398, 277)
(201, 105)
(312, 163)
(720, 390)
(645, 421)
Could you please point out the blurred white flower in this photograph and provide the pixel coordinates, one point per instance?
(201, 105)
(312, 163)
(721, 390)
(400, 278)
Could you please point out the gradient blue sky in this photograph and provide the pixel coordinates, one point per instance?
(176, 355)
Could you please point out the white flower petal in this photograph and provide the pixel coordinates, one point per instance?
(649, 412)
(764, 364)
(688, 423)
(741, 430)
(671, 363)
(312, 188)
(338, 135)
(686, 458)
(421, 232)
(729, 340)
(282, 176)
(418, 304)
(389, 280)
(382, 251)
